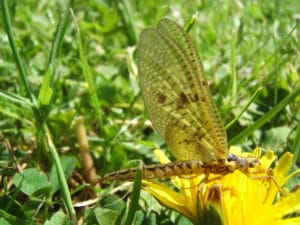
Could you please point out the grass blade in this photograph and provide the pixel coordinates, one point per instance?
(88, 76)
(247, 132)
(244, 109)
(17, 57)
(296, 145)
(135, 195)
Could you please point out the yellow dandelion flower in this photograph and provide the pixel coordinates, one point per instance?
(235, 198)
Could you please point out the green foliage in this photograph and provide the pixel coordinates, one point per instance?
(31, 181)
(63, 66)
(58, 218)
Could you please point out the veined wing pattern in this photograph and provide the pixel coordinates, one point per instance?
(176, 94)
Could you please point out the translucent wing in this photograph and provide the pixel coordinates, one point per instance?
(176, 95)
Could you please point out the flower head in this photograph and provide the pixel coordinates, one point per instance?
(236, 198)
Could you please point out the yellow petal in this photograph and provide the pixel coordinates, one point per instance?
(170, 198)
(288, 204)
(282, 168)
(160, 155)
(267, 159)
(291, 221)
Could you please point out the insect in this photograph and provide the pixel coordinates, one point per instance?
(180, 106)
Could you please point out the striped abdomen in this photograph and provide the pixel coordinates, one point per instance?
(186, 168)
(173, 169)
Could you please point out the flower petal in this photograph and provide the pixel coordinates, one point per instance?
(170, 198)
(288, 204)
(282, 168)
(160, 155)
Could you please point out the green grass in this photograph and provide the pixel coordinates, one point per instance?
(57, 66)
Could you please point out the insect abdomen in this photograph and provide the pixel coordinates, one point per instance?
(171, 169)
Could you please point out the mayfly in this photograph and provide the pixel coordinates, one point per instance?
(180, 106)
